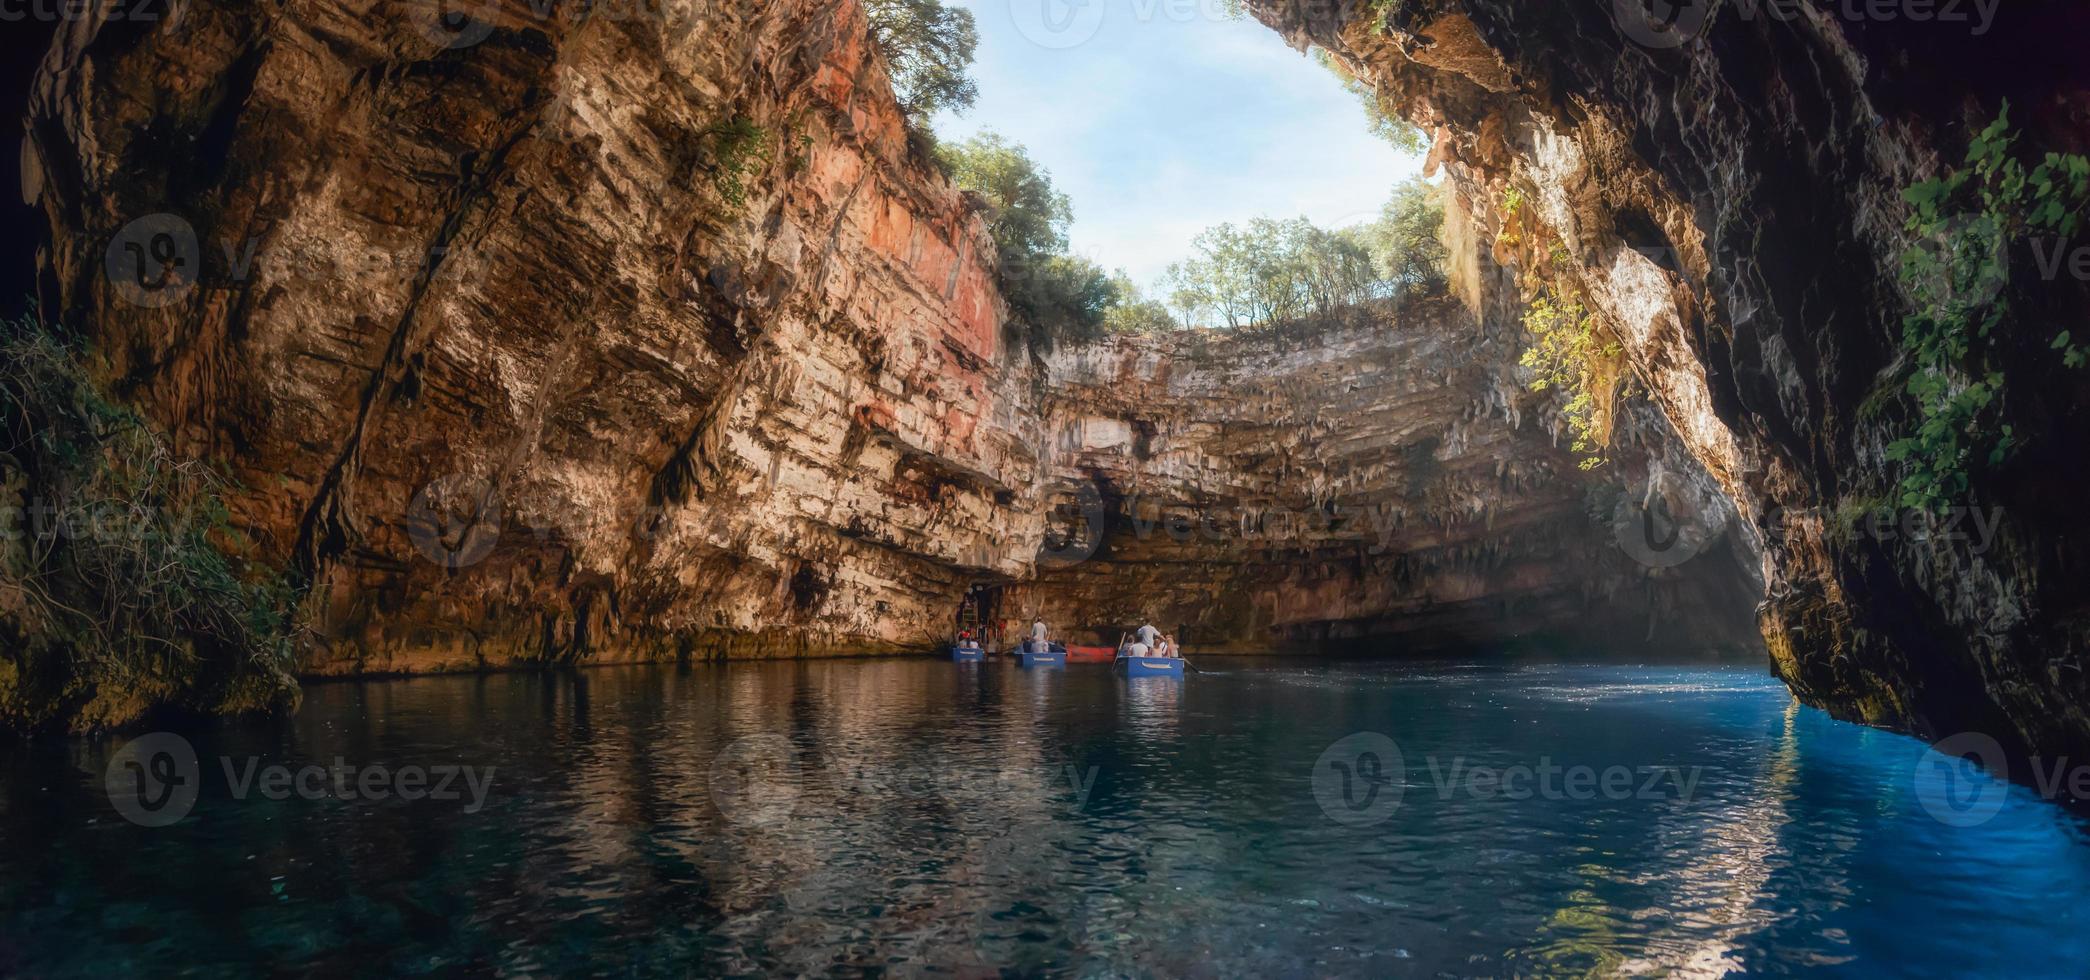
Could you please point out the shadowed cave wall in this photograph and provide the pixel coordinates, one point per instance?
(782, 413)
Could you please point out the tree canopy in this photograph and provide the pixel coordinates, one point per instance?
(1384, 123)
(929, 47)
(1271, 271)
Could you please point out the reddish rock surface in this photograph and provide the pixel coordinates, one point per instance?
(517, 349)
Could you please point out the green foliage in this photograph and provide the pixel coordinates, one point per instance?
(1380, 115)
(1132, 314)
(1062, 297)
(115, 590)
(739, 149)
(1570, 354)
(1030, 216)
(1407, 242)
(929, 48)
(1959, 278)
(1273, 271)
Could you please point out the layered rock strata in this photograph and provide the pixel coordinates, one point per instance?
(584, 337)
(1726, 180)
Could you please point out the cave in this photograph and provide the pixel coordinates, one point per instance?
(725, 364)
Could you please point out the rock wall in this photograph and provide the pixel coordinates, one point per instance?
(548, 338)
(1727, 183)
(650, 334)
(1383, 481)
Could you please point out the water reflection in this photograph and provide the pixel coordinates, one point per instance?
(821, 817)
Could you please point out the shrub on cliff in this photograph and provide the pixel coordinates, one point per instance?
(929, 49)
(1969, 310)
(116, 591)
(1062, 297)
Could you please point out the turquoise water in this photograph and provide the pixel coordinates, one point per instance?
(909, 817)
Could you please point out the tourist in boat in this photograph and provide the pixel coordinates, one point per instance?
(1037, 635)
(1149, 635)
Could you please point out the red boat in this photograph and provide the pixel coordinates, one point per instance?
(1077, 654)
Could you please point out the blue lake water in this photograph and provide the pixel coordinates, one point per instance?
(904, 817)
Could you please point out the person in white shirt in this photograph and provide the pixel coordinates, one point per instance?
(1138, 649)
(1149, 635)
(1037, 636)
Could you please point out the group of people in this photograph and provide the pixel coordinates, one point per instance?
(1147, 641)
(1150, 642)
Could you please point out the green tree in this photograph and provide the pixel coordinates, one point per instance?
(1131, 313)
(929, 49)
(1030, 217)
(1062, 297)
(1379, 114)
(1407, 242)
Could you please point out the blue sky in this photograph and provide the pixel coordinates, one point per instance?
(1160, 118)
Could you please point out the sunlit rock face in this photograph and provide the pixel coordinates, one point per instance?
(1728, 188)
(1380, 482)
(563, 339)
(650, 387)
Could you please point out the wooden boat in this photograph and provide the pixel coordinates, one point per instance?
(1149, 666)
(1040, 655)
(1077, 654)
(968, 655)
(1050, 657)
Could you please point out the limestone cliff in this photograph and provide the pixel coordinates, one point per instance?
(543, 338)
(1382, 481)
(1727, 180)
(595, 337)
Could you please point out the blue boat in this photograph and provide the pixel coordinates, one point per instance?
(1150, 666)
(968, 655)
(1035, 654)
